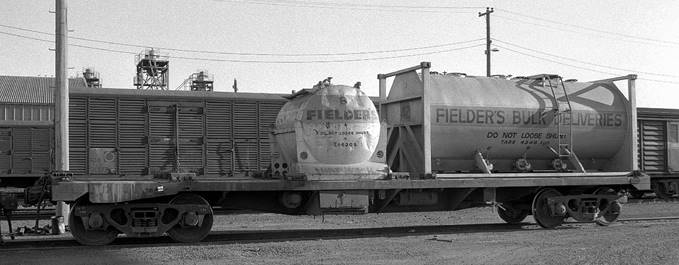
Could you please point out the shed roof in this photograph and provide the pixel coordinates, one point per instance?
(31, 89)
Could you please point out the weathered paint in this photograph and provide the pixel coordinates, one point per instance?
(338, 124)
(133, 190)
(511, 119)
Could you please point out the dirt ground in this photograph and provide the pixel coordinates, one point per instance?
(622, 243)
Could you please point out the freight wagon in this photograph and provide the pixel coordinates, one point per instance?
(156, 162)
(332, 153)
(659, 149)
(26, 128)
(26, 134)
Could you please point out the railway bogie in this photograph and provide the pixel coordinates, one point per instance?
(185, 217)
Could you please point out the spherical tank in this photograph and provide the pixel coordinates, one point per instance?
(506, 120)
(330, 124)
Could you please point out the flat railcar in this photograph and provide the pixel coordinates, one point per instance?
(417, 173)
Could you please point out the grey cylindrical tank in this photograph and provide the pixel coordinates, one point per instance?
(506, 120)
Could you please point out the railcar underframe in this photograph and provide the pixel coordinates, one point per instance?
(104, 208)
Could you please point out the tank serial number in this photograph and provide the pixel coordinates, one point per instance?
(345, 144)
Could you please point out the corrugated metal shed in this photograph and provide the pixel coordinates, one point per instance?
(31, 89)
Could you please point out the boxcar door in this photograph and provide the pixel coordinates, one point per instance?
(653, 141)
(162, 128)
(5, 150)
(673, 146)
(175, 137)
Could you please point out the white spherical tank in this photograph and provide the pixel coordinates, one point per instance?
(330, 124)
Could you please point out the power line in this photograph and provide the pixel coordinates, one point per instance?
(590, 29)
(331, 61)
(363, 7)
(584, 62)
(382, 6)
(74, 45)
(260, 61)
(580, 32)
(252, 54)
(579, 67)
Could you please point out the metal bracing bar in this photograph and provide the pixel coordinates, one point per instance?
(541, 76)
(406, 70)
(620, 78)
(383, 82)
(481, 163)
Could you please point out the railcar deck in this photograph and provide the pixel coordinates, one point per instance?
(117, 190)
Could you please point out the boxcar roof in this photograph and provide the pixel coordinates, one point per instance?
(658, 113)
(174, 93)
(31, 89)
(39, 90)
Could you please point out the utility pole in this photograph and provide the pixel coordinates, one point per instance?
(488, 41)
(61, 108)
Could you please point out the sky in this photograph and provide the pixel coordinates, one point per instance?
(285, 45)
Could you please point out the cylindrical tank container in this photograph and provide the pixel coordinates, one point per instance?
(328, 131)
(508, 122)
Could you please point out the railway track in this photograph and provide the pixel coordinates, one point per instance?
(255, 236)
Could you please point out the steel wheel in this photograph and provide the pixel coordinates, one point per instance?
(613, 211)
(186, 233)
(511, 214)
(660, 190)
(541, 211)
(89, 237)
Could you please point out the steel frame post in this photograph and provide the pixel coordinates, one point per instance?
(426, 102)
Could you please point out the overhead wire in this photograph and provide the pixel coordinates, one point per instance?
(391, 7)
(576, 66)
(359, 7)
(580, 32)
(262, 61)
(248, 53)
(377, 6)
(584, 62)
(334, 61)
(675, 43)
